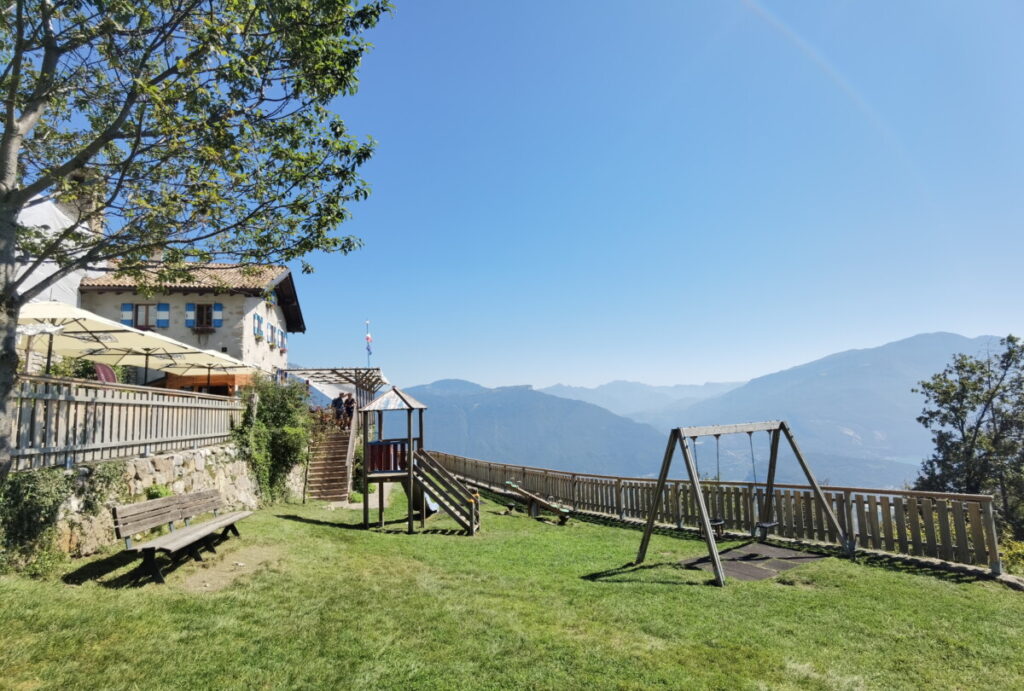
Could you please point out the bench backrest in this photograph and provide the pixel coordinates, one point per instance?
(130, 519)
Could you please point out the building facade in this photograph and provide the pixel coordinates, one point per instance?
(246, 314)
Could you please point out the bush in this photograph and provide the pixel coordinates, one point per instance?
(157, 491)
(106, 481)
(275, 438)
(30, 504)
(1013, 554)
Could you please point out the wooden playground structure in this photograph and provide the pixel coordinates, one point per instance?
(709, 525)
(403, 460)
(534, 503)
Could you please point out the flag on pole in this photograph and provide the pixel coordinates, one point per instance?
(369, 341)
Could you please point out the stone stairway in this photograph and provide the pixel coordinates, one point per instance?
(328, 468)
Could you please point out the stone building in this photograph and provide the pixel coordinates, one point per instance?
(244, 312)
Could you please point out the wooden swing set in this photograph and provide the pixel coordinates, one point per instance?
(711, 526)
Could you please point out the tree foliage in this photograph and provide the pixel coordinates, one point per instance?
(174, 131)
(975, 411)
(196, 128)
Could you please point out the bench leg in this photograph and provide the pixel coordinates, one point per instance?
(149, 563)
(193, 551)
(233, 529)
(209, 544)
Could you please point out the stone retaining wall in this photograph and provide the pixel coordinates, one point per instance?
(213, 467)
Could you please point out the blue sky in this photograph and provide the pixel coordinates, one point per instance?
(675, 192)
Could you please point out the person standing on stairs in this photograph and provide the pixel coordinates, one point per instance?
(338, 405)
(350, 409)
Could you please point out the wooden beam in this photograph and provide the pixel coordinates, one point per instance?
(366, 470)
(653, 512)
(408, 465)
(717, 430)
(848, 544)
(705, 519)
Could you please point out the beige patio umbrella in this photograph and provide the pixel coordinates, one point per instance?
(70, 331)
(207, 362)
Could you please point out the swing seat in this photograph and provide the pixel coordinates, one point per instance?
(763, 528)
(717, 525)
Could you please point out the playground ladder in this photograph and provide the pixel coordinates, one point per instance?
(444, 488)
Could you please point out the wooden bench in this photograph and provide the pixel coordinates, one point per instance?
(536, 503)
(131, 519)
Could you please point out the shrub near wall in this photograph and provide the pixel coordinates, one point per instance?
(275, 433)
(49, 513)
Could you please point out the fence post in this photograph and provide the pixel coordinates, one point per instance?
(618, 498)
(990, 537)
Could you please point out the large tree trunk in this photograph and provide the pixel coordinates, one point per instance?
(10, 305)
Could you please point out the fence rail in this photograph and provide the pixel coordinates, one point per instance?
(957, 528)
(62, 422)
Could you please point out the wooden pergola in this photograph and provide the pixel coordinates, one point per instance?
(366, 380)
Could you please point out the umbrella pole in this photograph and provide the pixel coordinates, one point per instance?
(145, 371)
(49, 355)
(208, 370)
(28, 351)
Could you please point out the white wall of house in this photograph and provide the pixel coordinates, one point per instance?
(47, 214)
(235, 337)
(259, 352)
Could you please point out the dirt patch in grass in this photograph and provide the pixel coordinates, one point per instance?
(219, 571)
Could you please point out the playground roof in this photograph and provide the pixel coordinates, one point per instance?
(365, 378)
(394, 400)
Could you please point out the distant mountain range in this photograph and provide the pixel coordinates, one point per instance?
(854, 415)
(515, 424)
(628, 397)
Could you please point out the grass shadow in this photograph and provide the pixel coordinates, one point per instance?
(333, 524)
(908, 564)
(627, 572)
(104, 572)
(426, 531)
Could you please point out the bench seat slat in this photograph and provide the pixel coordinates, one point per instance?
(183, 537)
(143, 522)
(196, 509)
(131, 510)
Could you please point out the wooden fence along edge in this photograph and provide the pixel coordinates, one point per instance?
(957, 528)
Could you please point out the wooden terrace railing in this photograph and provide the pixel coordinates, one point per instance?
(956, 528)
(63, 422)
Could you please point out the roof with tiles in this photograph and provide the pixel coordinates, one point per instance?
(209, 276)
(221, 278)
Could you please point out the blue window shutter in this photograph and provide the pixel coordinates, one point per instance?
(127, 314)
(163, 315)
(190, 314)
(218, 315)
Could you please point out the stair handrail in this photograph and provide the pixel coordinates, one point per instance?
(451, 482)
(350, 452)
(463, 515)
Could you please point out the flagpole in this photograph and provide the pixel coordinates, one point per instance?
(369, 339)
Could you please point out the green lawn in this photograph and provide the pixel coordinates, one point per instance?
(318, 602)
